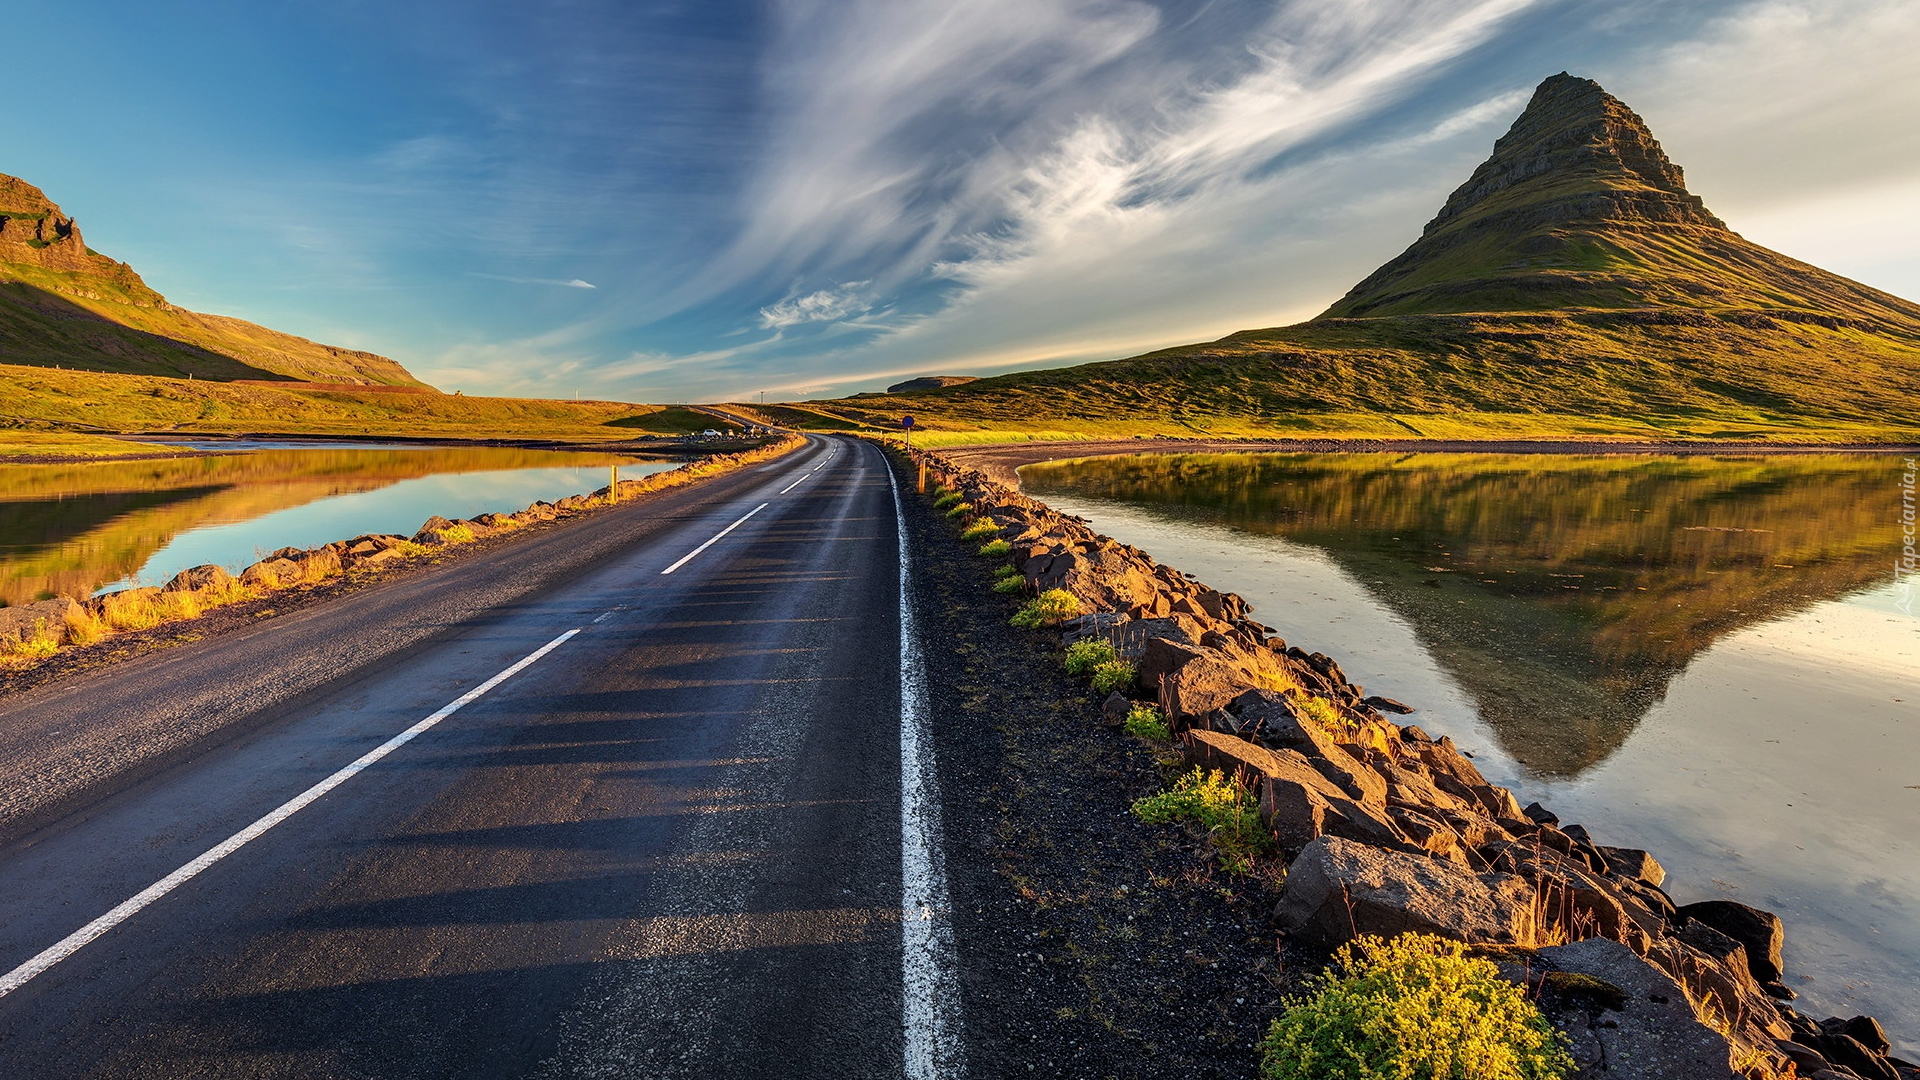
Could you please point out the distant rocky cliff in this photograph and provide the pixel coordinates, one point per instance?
(61, 303)
(930, 382)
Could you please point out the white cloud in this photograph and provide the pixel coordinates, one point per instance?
(1101, 220)
(567, 283)
(1785, 100)
(825, 305)
(1798, 121)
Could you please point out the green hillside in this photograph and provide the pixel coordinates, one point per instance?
(42, 410)
(62, 304)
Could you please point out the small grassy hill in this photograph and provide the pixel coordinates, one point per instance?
(64, 304)
(1571, 287)
(51, 411)
(673, 420)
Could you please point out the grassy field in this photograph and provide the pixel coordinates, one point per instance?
(47, 411)
(1658, 374)
(803, 417)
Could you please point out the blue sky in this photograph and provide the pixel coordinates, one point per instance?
(705, 200)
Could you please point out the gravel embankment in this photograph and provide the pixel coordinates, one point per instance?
(1091, 944)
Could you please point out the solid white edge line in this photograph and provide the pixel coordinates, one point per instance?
(932, 1045)
(688, 557)
(77, 940)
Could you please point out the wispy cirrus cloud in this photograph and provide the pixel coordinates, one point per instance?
(564, 283)
(822, 305)
(1038, 172)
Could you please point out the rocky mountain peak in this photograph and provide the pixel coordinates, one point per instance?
(1573, 142)
(33, 232)
(19, 197)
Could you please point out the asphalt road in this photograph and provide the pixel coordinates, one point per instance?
(672, 845)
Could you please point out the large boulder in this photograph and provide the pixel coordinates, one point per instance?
(1197, 679)
(31, 620)
(317, 564)
(1760, 931)
(1299, 800)
(1651, 1032)
(1633, 863)
(270, 573)
(200, 578)
(1104, 575)
(1338, 889)
(432, 525)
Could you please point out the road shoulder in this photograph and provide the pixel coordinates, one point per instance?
(1090, 944)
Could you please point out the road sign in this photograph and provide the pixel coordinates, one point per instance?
(906, 421)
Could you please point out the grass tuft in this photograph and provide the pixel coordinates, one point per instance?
(1321, 713)
(1047, 609)
(1415, 1007)
(1145, 722)
(84, 627)
(1111, 676)
(41, 643)
(1084, 656)
(146, 612)
(980, 529)
(1010, 584)
(1220, 804)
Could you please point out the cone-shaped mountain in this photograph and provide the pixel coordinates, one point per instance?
(1580, 208)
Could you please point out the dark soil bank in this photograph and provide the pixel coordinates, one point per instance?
(1091, 945)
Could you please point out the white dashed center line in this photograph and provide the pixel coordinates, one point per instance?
(688, 557)
(74, 942)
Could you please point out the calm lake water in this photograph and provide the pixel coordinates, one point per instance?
(1705, 657)
(73, 530)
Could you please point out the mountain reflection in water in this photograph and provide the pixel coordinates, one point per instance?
(1562, 592)
(67, 530)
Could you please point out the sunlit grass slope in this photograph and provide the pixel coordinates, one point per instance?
(65, 403)
(1628, 374)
